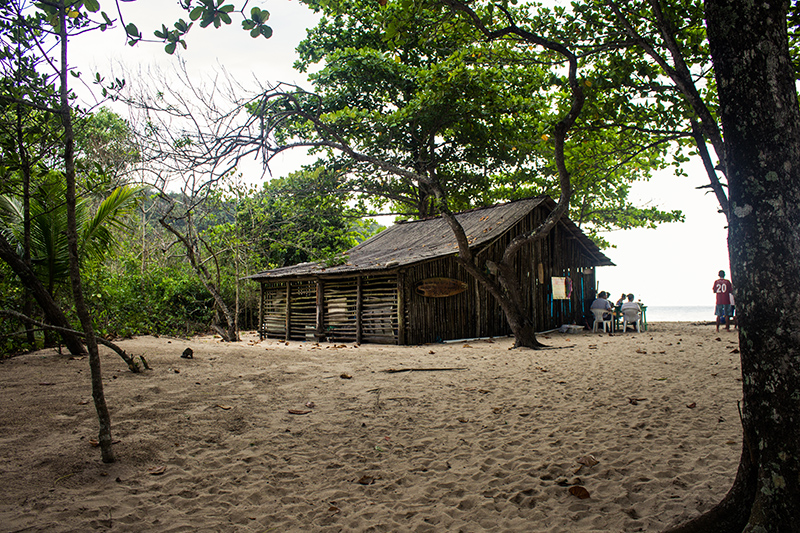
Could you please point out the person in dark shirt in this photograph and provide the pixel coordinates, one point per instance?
(723, 288)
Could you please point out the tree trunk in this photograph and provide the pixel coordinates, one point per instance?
(25, 167)
(104, 436)
(761, 123)
(519, 317)
(232, 333)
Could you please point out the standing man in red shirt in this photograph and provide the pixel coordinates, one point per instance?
(723, 288)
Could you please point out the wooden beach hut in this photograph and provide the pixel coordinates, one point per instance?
(404, 285)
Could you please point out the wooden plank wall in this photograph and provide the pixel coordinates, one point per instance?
(273, 314)
(556, 255)
(340, 310)
(339, 320)
(379, 320)
(303, 309)
(436, 319)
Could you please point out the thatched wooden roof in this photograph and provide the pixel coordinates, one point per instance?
(422, 240)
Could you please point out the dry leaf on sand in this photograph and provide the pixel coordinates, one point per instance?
(157, 471)
(588, 460)
(579, 491)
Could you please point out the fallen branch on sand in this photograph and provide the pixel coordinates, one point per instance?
(397, 370)
(132, 365)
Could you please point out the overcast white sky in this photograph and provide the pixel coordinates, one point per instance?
(673, 265)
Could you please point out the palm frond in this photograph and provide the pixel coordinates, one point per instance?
(97, 237)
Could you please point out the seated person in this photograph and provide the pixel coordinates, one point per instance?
(630, 304)
(602, 303)
(621, 300)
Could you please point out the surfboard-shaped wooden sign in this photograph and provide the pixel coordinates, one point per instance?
(440, 287)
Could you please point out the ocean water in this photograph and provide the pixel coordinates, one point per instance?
(698, 313)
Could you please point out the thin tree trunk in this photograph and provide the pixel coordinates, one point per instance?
(81, 309)
(26, 214)
(232, 334)
(25, 166)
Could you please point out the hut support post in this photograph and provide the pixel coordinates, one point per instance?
(320, 311)
(401, 308)
(261, 328)
(288, 311)
(478, 316)
(359, 309)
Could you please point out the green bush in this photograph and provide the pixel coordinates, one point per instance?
(160, 301)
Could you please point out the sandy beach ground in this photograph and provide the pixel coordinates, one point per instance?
(468, 436)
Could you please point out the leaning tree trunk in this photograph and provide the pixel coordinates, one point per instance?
(51, 309)
(104, 436)
(520, 319)
(761, 122)
(232, 334)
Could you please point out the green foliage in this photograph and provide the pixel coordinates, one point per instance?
(306, 216)
(159, 300)
(150, 288)
(474, 116)
(11, 339)
(49, 254)
(214, 13)
(106, 150)
(445, 105)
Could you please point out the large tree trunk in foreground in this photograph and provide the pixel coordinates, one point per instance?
(761, 122)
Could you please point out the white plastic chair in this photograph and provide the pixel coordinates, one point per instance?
(598, 318)
(633, 317)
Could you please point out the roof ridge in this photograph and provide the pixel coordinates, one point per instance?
(479, 208)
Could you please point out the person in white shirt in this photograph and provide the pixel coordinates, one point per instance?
(630, 304)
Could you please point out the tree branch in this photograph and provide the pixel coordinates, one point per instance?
(132, 365)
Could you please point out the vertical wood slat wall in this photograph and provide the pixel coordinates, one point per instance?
(303, 311)
(559, 255)
(273, 305)
(379, 321)
(437, 319)
(290, 309)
